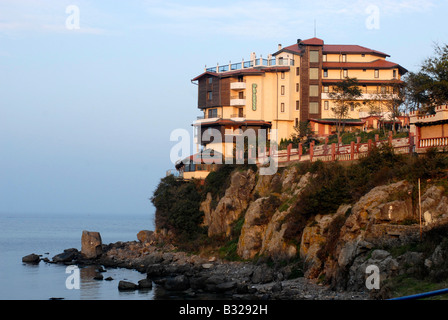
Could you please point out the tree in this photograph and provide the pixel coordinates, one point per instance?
(345, 95)
(389, 101)
(428, 87)
(303, 130)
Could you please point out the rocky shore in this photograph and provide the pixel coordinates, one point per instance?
(192, 276)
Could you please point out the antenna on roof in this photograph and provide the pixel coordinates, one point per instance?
(314, 28)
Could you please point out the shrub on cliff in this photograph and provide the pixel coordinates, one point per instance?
(177, 207)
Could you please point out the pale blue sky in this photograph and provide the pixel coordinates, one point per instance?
(86, 114)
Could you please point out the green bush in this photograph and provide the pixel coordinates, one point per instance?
(177, 208)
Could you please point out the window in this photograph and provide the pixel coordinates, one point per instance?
(344, 58)
(326, 105)
(325, 73)
(297, 105)
(363, 55)
(324, 58)
(326, 89)
(352, 107)
(282, 107)
(210, 80)
(383, 90)
(395, 74)
(282, 90)
(283, 75)
(377, 73)
(314, 90)
(209, 95)
(314, 107)
(314, 73)
(297, 87)
(345, 73)
(241, 112)
(213, 113)
(314, 56)
(297, 122)
(297, 71)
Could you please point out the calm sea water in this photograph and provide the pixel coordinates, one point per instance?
(49, 235)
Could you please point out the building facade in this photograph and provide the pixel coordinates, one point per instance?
(292, 85)
(289, 86)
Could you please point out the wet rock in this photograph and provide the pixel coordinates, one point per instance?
(67, 256)
(145, 284)
(127, 286)
(31, 258)
(177, 283)
(91, 244)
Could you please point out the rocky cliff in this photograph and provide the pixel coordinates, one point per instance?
(334, 247)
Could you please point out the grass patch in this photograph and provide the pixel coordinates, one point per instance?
(405, 286)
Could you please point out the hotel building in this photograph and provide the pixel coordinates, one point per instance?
(289, 86)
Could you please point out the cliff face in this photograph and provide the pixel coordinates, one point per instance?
(336, 247)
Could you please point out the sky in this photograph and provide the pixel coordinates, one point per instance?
(91, 90)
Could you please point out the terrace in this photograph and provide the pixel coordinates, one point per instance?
(252, 63)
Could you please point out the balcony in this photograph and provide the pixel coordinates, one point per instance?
(238, 101)
(237, 115)
(238, 85)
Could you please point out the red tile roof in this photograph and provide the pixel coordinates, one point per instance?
(334, 48)
(313, 42)
(337, 48)
(377, 64)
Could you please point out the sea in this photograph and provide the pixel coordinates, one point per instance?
(49, 235)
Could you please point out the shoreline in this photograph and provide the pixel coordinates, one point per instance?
(192, 276)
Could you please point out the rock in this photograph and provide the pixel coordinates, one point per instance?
(230, 207)
(109, 279)
(67, 256)
(145, 236)
(145, 284)
(207, 265)
(226, 286)
(277, 287)
(98, 277)
(31, 258)
(127, 286)
(91, 244)
(177, 283)
(262, 274)
(380, 255)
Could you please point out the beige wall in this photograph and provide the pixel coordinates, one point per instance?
(434, 131)
(332, 57)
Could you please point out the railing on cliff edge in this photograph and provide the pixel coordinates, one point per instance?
(340, 152)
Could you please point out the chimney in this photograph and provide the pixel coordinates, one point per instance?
(279, 46)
